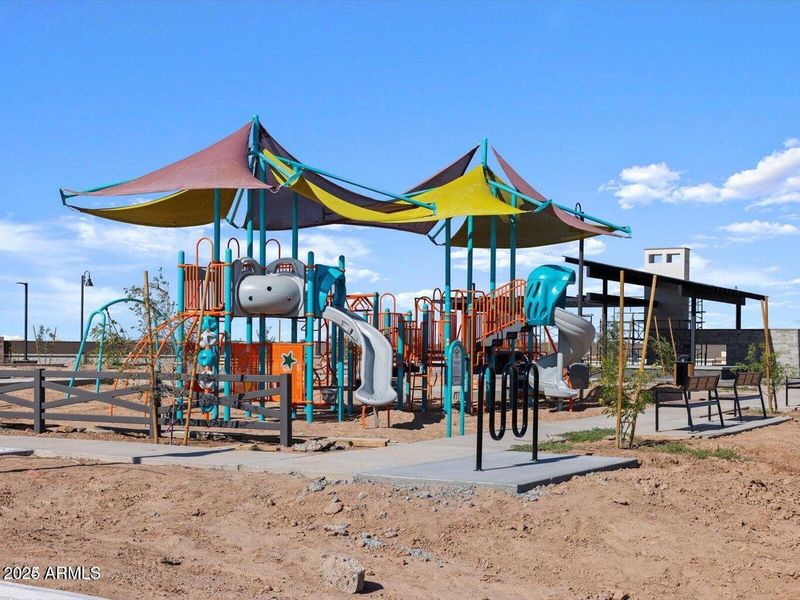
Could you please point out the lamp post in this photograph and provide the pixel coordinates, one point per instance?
(86, 281)
(25, 335)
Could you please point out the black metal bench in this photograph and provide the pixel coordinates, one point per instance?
(750, 379)
(681, 397)
(791, 384)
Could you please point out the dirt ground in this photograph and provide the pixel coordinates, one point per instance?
(677, 527)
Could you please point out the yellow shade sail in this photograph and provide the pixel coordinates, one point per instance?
(182, 209)
(467, 195)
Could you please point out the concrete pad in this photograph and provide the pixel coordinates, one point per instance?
(704, 429)
(15, 452)
(508, 470)
(17, 591)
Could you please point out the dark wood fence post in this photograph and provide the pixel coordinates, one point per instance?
(38, 400)
(155, 416)
(285, 384)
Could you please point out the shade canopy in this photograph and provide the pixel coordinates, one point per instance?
(312, 213)
(296, 194)
(222, 165)
(548, 224)
(466, 195)
(183, 209)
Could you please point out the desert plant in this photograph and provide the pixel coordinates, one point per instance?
(756, 360)
(664, 354)
(44, 339)
(163, 307)
(635, 395)
(117, 344)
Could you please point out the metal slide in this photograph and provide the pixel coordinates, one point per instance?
(376, 357)
(575, 336)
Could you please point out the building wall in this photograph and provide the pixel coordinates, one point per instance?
(785, 342)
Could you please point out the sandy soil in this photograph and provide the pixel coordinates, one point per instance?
(678, 527)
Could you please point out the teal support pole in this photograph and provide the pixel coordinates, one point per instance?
(248, 324)
(408, 377)
(492, 253)
(180, 302)
(262, 258)
(376, 309)
(387, 321)
(447, 265)
(350, 378)
(217, 223)
(447, 401)
(466, 384)
(340, 364)
(470, 247)
(226, 410)
(512, 265)
(425, 350)
(309, 349)
(295, 247)
(100, 350)
(215, 257)
(400, 360)
(470, 287)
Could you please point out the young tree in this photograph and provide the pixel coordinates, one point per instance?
(635, 395)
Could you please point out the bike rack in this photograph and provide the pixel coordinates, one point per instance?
(510, 380)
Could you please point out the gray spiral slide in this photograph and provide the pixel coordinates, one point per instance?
(376, 357)
(575, 336)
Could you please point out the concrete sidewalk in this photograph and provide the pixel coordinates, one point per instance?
(431, 460)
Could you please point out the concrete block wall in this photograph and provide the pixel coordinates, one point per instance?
(786, 342)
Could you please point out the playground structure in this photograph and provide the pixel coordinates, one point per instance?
(357, 349)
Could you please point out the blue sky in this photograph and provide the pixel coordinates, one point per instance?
(679, 119)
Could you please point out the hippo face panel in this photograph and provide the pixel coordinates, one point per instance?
(277, 295)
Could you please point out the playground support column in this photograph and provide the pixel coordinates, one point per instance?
(226, 410)
(350, 379)
(217, 219)
(579, 209)
(340, 363)
(309, 349)
(492, 253)
(425, 341)
(376, 309)
(620, 354)
(262, 258)
(248, 327)
(295, 248)
(447, 283)
(512, 268)
(179, 332)
(470, 326)
(400, 359)
(408, 377)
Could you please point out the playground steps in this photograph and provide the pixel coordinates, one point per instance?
(510, 332)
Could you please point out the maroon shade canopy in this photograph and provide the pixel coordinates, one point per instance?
(526, 188)
(222, 165)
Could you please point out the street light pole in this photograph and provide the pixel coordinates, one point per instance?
(86, 281)
(25, 335)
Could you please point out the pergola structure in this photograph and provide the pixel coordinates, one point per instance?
(692, 290)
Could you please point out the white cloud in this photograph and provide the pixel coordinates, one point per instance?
(775, 179)
(759, 280)
(755, 230)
